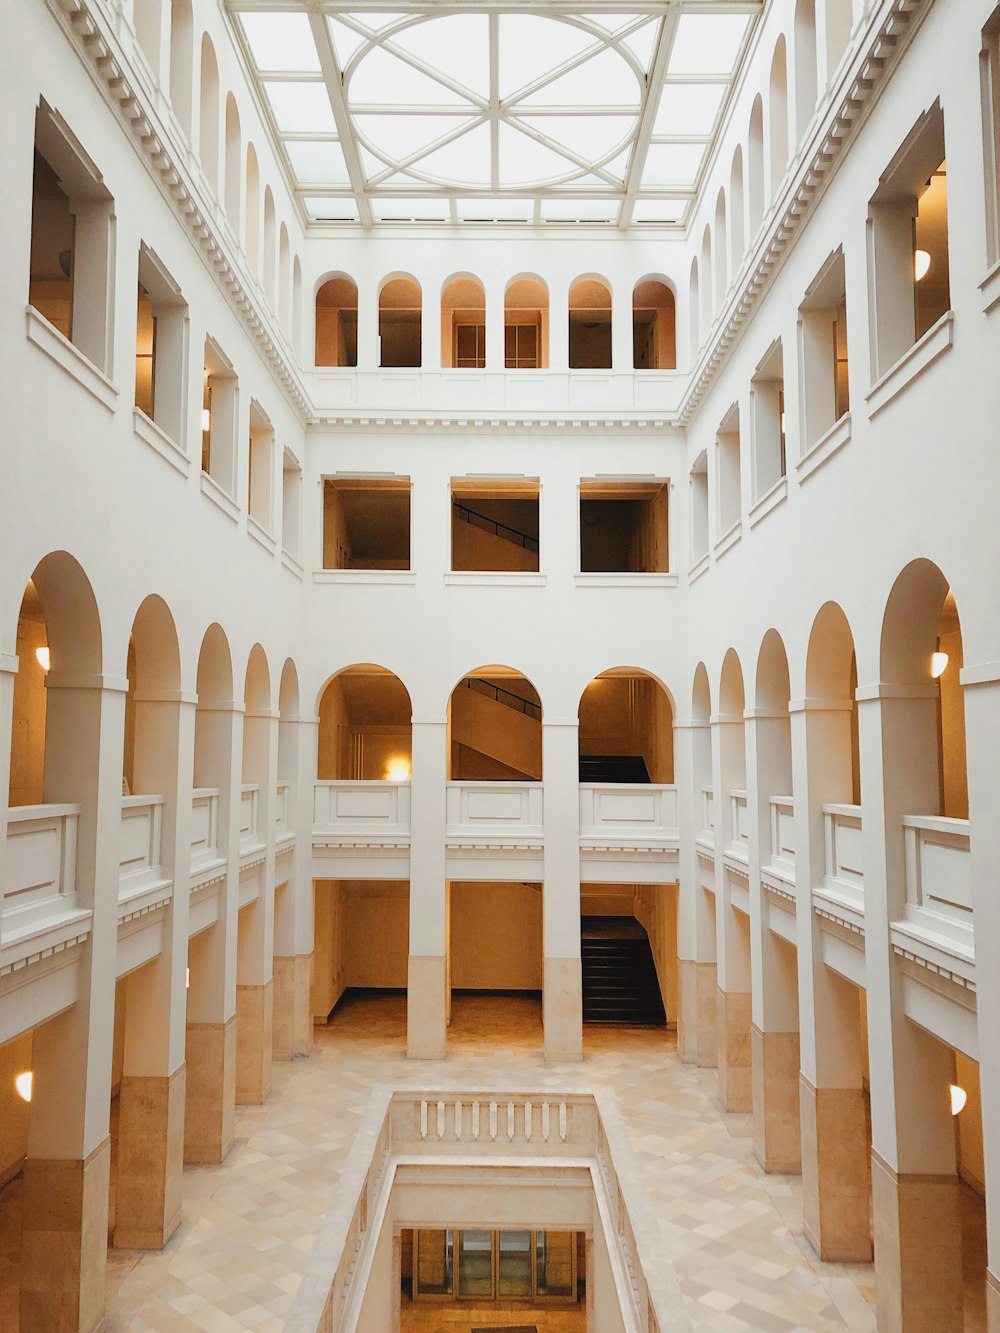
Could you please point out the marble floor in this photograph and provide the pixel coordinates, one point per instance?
(249, 1225)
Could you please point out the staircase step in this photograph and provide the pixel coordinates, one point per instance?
(620, 985)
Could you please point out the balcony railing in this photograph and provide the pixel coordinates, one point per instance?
(204, 828)
(740, 816)
(249, 816)
(844, 870)
(708, 814)
(282, 799)
(362, 810)
(487, 810)
(40, 875)
(140, 845)
(629, 810)
(939, 875)
(782, 832)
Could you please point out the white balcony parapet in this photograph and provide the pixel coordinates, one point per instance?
(250, 817)
(707, 814)
(844, 871)
(494, 813)
(40, 874)
(282, 828)
(939, 877)
(782, 833)
(740, 817)
(359, 813)
(140, 867)
(629, 813)
(204, 829)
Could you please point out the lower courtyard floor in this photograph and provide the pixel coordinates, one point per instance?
(733, 1234)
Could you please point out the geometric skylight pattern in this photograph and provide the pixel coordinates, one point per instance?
(491, 112)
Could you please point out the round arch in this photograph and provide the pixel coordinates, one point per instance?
(365, 732)
(495, 726)
(654, 323)
(626, 728)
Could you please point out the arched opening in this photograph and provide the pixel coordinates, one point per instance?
(211, 1028)
(234, 163)
(363, 767)
(337, 322)
(721, 249)
(292, 961)
(736, 208)
(364, 727)
(628, 931)
(707, 305)
(626, 729)
(289, 717)
(181, 61)
(270, 245)
(463, 324)
(495, 728)
(208, 119)
(284, 259)
(839, 18)
(697, 1027)
(654, 329)
(526, 324)
(400, 322)
(252, 220)
(805, 65)
(732, 923)
(755, 166)
(778, 115)
(694, 302)
(832, 675)
(148, 27)
(590, 324)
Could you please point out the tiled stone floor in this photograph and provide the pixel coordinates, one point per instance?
(733, 1234)
(461, 1319)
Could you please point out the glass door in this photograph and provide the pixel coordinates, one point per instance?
(475, 1265)
(514, 1265)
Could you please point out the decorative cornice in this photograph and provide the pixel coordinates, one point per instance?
(330, 843)
(926, 965)
(381, 420)
(104, 59)
(863, 81)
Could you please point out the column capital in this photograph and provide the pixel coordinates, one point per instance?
(812, 704)
(983, 673)
(560, 722)
(166, 697)
(726, 719)
(428, 721)
(765, 714)
(866, 694)
(691, 724)
(9, 664)
(86, 681)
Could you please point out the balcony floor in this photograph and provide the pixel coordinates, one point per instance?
(236, 1261)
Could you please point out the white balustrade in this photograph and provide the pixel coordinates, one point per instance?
(204, 828)
(708, 813)
(631, 810)
(139, 848)
(740, 817)
(362, 810)
(939, 875)
(40, 866)
(844, 872)
(249, 816)
(478, 810)
(282, 828)
(782, 831)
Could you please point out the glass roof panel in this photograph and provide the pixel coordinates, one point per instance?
(317, 162)
(301, 108)
(688, 108)
(281, 42)
(707, 43)
(528, 97)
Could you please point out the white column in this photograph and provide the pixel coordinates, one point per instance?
(427, 975)
(732, 939)
(696, 1023)
(562, 1001)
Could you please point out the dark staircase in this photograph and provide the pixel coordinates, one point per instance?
(597, 769)
(620, 985)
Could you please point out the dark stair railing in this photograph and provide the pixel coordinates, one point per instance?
(596, 769)
(477, 520)
(620, 985)
(506, 697)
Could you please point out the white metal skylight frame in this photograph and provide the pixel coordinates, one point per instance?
(352, 159)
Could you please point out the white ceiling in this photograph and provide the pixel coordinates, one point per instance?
(502, 112)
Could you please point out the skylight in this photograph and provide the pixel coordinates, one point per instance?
(495, 112)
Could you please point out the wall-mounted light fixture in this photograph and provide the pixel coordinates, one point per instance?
(399, 770)
(958, 1098)
(921, 264)
(939, 664)
(206, 420)
(23, 1083)
(43, 657)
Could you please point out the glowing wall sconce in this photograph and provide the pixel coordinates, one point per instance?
(43, 657)
(921, 264)
(23, 1084)
(206, 420)
(399, 770)
(958, 1098)
(939, 665)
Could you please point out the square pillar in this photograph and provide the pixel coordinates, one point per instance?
(294, 913)
(291, 1009)
(562, 970)
(427, 969)
(835, 1148)
(696, 1022)
(732, 934)
(150, 1160)
(254, 1040)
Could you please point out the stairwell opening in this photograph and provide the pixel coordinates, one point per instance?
(494, 525)
(495, 727)
(626, 729)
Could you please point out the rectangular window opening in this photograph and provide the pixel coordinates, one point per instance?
(260, 466)
(623, 527)
(494, 525)
(291, 506)
(219, 415)
(825, 386)
(160, 347)
(728, 471)
(366, 523)
(769, 422)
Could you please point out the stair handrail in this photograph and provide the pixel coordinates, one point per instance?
(500, 529)
(523, 705)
